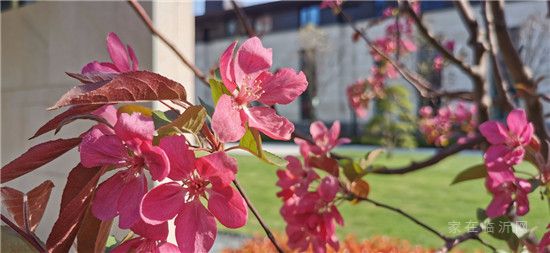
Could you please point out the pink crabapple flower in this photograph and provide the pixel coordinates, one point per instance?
(450, 123)
(152, 238)
(507, 189)
(208, 177)
(358, 98)
(507, 142)
(544, 245)
(438, 63)
(317, 154)
(312, 217)
(128, 145)
(295, 179)
(248, 79)
(123, 59)
(331, 3)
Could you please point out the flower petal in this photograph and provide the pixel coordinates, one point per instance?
(128, 246)
(166, 247)
(117, 51)
(225, 67)
(195, 228)
(130, 199)
(107, 112)
(328, 188)
(157, 232)
(282, 87)
(226, 121)
(182, 159)
(495, 157)
(318, 131)
(268, 122)
(156, 160)
(135, 126)
(217, 167)
(499, 205)
(135, 62)
(170, 196)
(517, 121)
(104, 205)
(98, 149)
(228, 206)
(251, 60)
(494, 132)
(98, 67)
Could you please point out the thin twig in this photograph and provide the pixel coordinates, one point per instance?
(149, 23)
(258, 217)
(433, 41)
(245, 22)
(438, 157)
(28, 237)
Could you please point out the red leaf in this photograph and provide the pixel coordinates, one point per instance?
(76, 198)
(35, 157)
(92, 79)
(27, 212)
(56, 121)
(93, 233)
(127, 87)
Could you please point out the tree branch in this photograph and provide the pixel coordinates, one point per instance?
(433, 41)
(504, 97)
(519, 72)
(149, 23)
(258, 217)
(243, 19)
(438, 157)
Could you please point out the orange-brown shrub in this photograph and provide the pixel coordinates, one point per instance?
(377, 244)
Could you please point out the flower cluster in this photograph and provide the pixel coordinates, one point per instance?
(508, 144)
(450, 124)
(397, 39)
(309, 200)
(439, 61)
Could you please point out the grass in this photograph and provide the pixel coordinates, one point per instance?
(425, 194)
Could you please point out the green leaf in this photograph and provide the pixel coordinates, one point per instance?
(370, 157)
(252, 142)
(499, 229)
(111, 243)
(190, 121)
(217, 89)
(352, 170)
(474, 172)
(160, 119)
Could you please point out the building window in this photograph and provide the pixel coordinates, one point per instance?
(310, 15)
(263, 24)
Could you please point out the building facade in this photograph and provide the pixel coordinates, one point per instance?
(293, 27)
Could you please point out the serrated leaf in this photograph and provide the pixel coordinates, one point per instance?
(27, 209)
(35, 157)
(190, 121)
(129, 109)
(134, 86)
(217, 89)
(93, 233)
(274, 159)
(472, 173)
(73, 111)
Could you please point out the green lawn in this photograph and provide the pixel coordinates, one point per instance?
(425, 194)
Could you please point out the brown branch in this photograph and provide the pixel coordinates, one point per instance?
(433, 41)
(149, 23)
(518, 70)
(258, 217)
(438, 157)
(479, 69)
(31, 239)
(504, 98)
(450, 242)
(243, 19)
